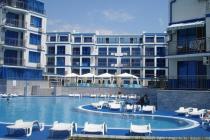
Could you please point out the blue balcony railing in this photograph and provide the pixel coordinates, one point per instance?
(14, 42)
(12, 61)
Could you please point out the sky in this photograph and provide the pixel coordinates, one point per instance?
(107, 16)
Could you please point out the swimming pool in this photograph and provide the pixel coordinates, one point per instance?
(65, 109)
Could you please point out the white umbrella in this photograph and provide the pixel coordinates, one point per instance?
(87, 75)
(126, 75)
(105, 75)
(69, 75)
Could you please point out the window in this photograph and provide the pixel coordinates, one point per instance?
(77, 39)
(51, 50)
(160, 39)
(161, 62)
(86, 62)
(150, 40)
(36, 22)
(60, 61)
(51, 70)
(86, 51)
(88, 39)
(76, 71)
(136, 51)
(51, 61)
(76, 62)
(125, 62)
(161, 73)
(125, 50)
(149, 73)
(112, 71)
(136, 62)
(149, 52)
(76, 51)
(34, 57)
(61, 50)
(102, 62)
(35, 39)
(149, 63)
(101, 71)
(136, 73)
(112, 61)
(161, 51)
(60, 71)
(84, 71)
(64, 38)
(112, 51)
(52, 38)
(36, 6)
(125, 71)
(102, 51)
(11, 38)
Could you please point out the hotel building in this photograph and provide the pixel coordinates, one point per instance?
(22, 39)
(189, 44)
(81, 53)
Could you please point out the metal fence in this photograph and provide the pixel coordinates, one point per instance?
(201, 82)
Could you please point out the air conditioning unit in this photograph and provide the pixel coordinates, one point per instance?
(206, 60)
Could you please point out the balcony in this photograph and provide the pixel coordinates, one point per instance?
(134, 64)
(14, 23)
(16, 4)
(188, 47)
(136, 54)
(126, 65)
(147, 53)
(102, 53)
(12, 61)
(14, 42)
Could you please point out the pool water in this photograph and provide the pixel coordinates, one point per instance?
(65, 109)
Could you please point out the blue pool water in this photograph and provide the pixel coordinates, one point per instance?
(65, 109)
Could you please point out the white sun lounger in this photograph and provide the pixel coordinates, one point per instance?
(95, 128)
(93, 95)
(26, 126)
(129, 107)
(183, 110)
(140, 129)
(149, 108)
(196, 112)
(115, 106)
(58, 127)
(99, 105)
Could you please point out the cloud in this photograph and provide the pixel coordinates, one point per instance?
(117, 15)
(62, 26)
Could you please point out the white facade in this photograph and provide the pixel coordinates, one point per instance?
(114, 54)
(23, 37)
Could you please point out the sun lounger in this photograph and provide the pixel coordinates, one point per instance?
(148, 108)
(95, 128)
(140, 129)
(26, 126)
(58, 127)
(196, 112)
(129, 107)
(183, 110)
(115, 106)
(100, 104)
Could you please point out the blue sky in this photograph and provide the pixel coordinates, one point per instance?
(107, 16)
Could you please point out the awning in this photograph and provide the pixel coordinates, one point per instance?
(186, 25)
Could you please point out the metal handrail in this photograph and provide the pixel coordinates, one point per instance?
(14, 42)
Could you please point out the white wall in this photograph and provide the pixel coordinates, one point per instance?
(188, 9)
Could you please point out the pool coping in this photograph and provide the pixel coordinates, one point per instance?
(190, 121)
